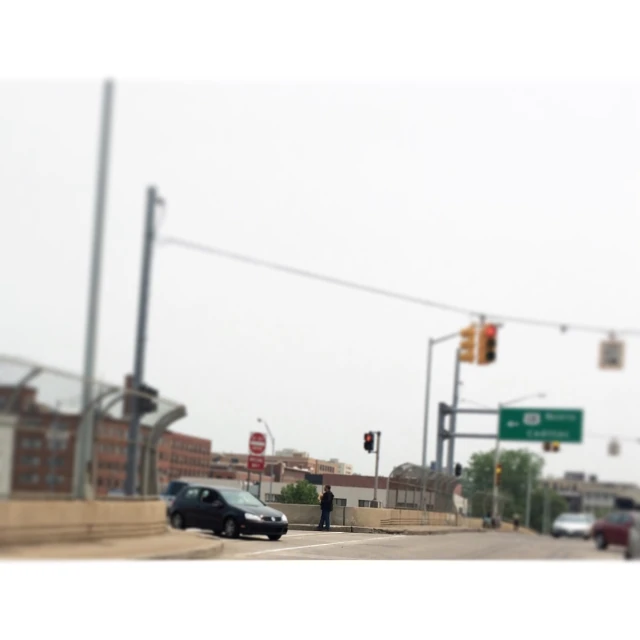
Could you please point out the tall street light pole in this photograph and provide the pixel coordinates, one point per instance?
(494, 509)
(82, 480)
(273, 453)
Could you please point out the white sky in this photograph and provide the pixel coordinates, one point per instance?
(515, 199)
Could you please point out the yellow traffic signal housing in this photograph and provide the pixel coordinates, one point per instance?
(555, 447)
(487, 344)
(498, 474)
(468, 344)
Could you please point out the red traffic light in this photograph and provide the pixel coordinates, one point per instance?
(490, 331)
(368, 437)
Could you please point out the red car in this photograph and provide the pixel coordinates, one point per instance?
(613, 530)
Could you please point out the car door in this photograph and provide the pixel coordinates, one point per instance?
(614, 531)
(210, 510)
(625, 523)
(188, 506)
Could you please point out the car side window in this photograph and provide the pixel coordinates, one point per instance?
(191, 494)
(209, 496)
(612, 518)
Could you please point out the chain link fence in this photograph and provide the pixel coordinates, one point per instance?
(41, 412)
(433, 497)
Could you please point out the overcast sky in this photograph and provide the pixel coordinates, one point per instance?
(519, 200)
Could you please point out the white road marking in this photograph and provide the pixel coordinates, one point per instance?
(313, 533)
(323, 544)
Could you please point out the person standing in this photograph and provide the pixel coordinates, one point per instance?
(326, 507)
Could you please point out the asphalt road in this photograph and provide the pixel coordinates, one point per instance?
(311, 545)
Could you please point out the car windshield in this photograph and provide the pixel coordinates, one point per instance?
(574, 517)
(240, 499)
(174, 488)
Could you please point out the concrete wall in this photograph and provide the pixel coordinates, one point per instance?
(363, 517)
(7, 438)
(36, 521)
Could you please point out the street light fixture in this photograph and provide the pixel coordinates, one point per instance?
(273, 453)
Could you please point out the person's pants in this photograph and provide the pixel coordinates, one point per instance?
(325, 520)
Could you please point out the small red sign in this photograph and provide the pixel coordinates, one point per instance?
(255, 463)
(257, 443)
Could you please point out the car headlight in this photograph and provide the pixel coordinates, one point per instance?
(284, 518)
(252, 517)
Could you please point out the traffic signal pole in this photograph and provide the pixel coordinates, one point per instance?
(427, 394)
(141, 338)
(375, 482)
(452, 420)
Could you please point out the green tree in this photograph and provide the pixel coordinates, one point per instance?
(302, 492)
(477, 481)
(557, 505)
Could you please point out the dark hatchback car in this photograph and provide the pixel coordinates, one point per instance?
(224, 510)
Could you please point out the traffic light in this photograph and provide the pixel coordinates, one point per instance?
(498, 474)
(147, 404)
(468, 344)
(458, 470)
(546, 446)
(555, 447)
(487, 344)
(368, 442)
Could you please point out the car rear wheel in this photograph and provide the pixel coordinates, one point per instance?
(231, 528)
(601, 541)
(177, 521)
(275, 537)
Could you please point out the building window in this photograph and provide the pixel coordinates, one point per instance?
(273, 497)
(31, 443)
(364, 503)
(29, 478)
(234, 461)
(340, 502)
(54, 479)
(32, 461)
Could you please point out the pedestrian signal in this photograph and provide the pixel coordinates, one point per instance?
(555, 447)
(546, 446)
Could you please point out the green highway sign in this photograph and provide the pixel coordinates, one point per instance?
(540, 425)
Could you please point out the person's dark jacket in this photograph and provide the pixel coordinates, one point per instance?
(326, 502)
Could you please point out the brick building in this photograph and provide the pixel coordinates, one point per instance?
(44, 447)
(292, 459)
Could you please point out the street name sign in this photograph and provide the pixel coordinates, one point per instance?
(540, 425)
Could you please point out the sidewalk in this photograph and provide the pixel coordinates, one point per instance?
(416, 530)
(173, 545)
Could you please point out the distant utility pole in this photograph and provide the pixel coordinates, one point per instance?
(141, 338)
(375, 482)
(84, 443)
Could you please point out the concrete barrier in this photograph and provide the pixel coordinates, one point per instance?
(37, 521)
(367, 517)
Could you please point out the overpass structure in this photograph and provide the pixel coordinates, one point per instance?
(59, 392)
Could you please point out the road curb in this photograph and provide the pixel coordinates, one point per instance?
(404, 532)
(208, 552)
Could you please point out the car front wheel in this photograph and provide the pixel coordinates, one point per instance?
(601, 542)
(177, 521)
(231, 528)
(275, 537)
